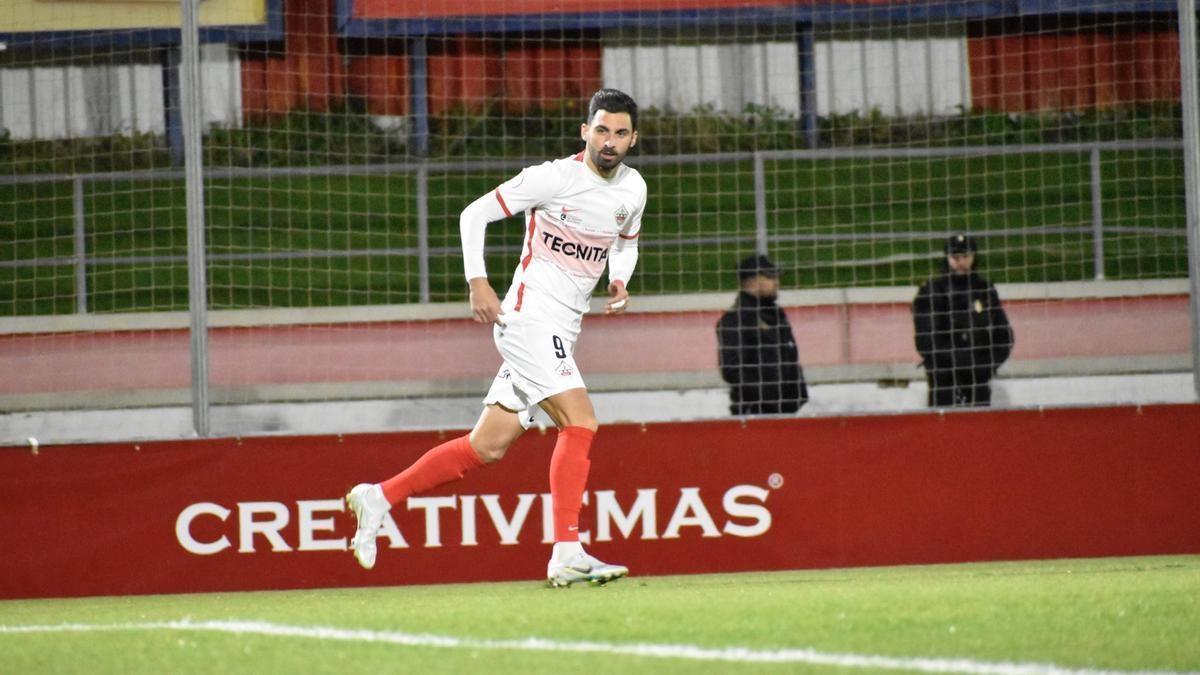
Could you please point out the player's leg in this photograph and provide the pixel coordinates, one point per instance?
(572, 412)
(541, 369)
(495, 431)
(487, 442)
(571, 408)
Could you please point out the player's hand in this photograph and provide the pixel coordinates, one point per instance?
(618, 300)
(485, 306)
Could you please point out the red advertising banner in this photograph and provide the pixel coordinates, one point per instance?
(266, 513)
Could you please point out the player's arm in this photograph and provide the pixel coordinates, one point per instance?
(525, 190)
(622, 260)
(472, 225)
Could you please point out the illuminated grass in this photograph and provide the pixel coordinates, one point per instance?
(1120, 613)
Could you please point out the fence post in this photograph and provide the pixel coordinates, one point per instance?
(805, 49)
(1191, 168)
(172, 114)
(189, 80)
(760, 204)
(418, 77)
(81, 289)
(1097, 215)
(423, 231)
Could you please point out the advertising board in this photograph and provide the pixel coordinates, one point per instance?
(266, 513)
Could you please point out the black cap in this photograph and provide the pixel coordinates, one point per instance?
(755, 265)
(961, 243)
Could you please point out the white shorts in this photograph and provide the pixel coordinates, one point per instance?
(539, 362)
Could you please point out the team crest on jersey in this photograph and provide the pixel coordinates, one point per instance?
(564, 370)
(621, 215)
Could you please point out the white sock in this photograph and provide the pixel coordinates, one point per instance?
(565, 550)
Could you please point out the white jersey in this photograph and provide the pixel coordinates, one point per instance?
(576, 223)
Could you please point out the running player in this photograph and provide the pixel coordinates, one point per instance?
(581, 213)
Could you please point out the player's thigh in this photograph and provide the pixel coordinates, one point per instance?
(571, 408)
(496, 429)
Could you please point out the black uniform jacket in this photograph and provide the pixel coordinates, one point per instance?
(960, 325)
(758, 357)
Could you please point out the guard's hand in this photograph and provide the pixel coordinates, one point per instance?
(618, 300)
(485, 306)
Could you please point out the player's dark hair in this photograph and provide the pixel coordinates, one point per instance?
(613, 101)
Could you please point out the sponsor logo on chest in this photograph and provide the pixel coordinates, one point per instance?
(572, 249)
(570, 215)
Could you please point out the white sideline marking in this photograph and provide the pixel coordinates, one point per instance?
(535, 644)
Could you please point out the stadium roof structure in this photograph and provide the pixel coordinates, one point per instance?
(417, 18)
(84, 39)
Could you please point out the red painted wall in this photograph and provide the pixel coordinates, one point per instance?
(1023, 70)
(306, 74)
(726, 496)
(1016, 65)
(465, 73)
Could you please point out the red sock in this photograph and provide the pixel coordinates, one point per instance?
(568, 477)
(447, 462)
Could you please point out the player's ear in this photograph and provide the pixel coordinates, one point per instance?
(583, 129)
(633, 139)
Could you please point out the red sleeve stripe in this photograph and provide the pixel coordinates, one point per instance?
(502, 204)
(630, 236)
(528, 256)
(520, 297)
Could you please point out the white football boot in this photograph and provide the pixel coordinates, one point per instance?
(369, 506)
(582, 567)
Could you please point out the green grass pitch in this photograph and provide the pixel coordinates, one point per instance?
(1085, 616)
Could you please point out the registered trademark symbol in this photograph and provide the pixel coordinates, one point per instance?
(775, 481)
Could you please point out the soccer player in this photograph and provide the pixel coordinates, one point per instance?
(581, 213)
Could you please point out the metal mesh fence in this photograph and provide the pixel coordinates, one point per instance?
(846, 141)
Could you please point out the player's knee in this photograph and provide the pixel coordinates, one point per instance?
(489, 449)
(590, 423)
(490, 452)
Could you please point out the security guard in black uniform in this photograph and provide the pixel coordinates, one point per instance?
(757, 351)
(962, 332)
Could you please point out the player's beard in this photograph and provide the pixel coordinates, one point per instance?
(606, 162)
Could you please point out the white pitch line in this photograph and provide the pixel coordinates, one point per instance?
(535, 644)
